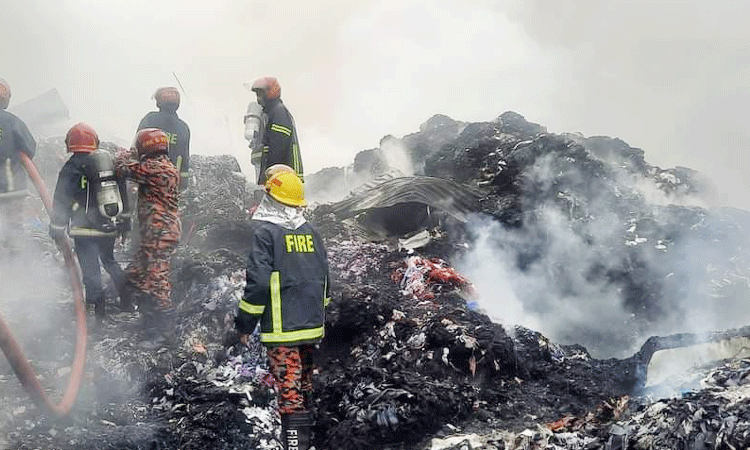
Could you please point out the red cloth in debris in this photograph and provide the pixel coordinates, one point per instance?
(421, 277)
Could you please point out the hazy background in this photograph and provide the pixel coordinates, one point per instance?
(667, 76)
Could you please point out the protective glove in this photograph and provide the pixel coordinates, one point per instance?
(57, 232)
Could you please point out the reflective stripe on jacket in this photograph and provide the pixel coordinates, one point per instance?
(280, 143)
(286, 285)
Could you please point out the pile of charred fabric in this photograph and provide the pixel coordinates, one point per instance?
(418, 353)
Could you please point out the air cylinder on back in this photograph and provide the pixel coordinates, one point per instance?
(100, 171)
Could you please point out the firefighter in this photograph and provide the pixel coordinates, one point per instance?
(89, 199)
(147, 277)
(286, 291)
(14, 138)
(279, 138)
(178, 132)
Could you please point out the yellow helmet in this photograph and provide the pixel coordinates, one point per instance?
(286, 188)
(277, 168)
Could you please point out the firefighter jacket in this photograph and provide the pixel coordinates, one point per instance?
(280, 144)
(286, 285)
(75, 202)
(178, 133)
(158, 195)
(14, 137)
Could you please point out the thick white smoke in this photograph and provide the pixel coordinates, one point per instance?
(391, 158)
(396, 155)
(551, 294)
(581, 271)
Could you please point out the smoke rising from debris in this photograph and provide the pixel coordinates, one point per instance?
(396, 155)
(583, 270)
(551, 294)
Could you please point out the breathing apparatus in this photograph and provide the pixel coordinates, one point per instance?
(100, 173)
(255, 124)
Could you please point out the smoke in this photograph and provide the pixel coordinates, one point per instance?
(390, 159)
(644, 84)
(396, 155)
(373, 68)
(491, 268)
(608, 259)
(554, 293)
(33, 290)
(36, 301)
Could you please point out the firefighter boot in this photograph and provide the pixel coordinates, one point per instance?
(156, 326)
(96, 304)
(296, 430)
(100, 312)
(128, 293)
(148, 323)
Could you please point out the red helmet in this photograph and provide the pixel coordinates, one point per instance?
(268, 86)
(4, 94)
(151, 141)
(167, 97)
(81, 138)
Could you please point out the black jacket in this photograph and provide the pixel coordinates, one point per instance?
(280, 143)
(74, 201)
(14, 137)
(179, 136)
(286, 285)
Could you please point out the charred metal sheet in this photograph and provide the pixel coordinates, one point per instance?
(456, 199)
(661, 355)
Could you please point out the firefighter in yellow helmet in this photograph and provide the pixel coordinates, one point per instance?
(286, 291)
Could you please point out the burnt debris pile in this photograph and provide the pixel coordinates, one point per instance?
(494, 286)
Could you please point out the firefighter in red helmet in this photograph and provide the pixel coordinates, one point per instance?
(147, 277)
(280, 144)
(178, 132)
(88, 201)
(15, 138)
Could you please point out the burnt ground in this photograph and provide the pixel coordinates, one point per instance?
(409, 356)
(394, 370)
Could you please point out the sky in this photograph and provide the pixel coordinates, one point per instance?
(669, 77)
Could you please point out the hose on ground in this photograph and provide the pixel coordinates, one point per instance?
(12, 350)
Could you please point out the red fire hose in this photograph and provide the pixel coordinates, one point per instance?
(12, 350)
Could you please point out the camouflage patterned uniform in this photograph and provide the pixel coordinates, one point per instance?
(293, 369)
(158, 223)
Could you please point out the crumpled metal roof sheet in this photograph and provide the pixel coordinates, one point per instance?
(456, 199)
